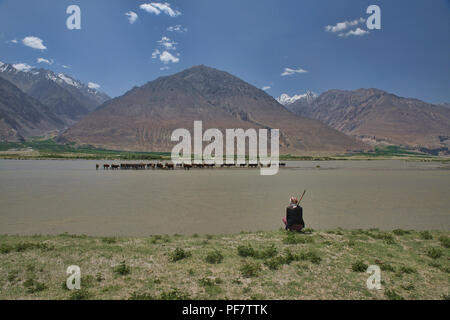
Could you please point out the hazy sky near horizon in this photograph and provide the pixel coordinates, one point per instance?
(285, 46)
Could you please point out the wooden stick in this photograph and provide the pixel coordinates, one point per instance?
(302, 196)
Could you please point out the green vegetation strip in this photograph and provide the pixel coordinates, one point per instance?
(258, 265)
(50, 149)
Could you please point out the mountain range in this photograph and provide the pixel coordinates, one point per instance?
(378, 117)
(144, 117)
(68, 98)
(38, 101)
(297, 99)
(23, 116)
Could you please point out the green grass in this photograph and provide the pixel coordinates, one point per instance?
(380, 152)
(392, 295)
(122, 269)
(179, 254)
(81, 294)
(359, 266)
(250, 269)
(33, 286)
(445, 241)
(51, 149)
(390, 151)
(214, 257)
(426, 235)
(434, 253)
(263, 265)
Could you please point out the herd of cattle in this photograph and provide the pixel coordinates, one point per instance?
(171, 166)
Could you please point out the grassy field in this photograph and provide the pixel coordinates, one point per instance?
(48, 149)
(379, 153)
(259, 265)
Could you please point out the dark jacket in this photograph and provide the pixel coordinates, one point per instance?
(294, 216)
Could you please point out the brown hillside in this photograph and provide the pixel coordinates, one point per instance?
(144, 118)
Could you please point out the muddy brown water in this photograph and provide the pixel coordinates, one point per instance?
(52, 197)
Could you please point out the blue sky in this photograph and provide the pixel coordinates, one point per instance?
(255, 40)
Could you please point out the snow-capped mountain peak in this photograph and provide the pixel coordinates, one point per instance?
(22, 67)
(3, 66)
(25, 77)
(68, 80)
(285, 99)
(61, 78)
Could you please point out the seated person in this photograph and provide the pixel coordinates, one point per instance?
(294, 216)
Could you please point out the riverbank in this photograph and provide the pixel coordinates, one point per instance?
(49, 149)
(259, 265)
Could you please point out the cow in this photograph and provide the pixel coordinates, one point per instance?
(169, 166)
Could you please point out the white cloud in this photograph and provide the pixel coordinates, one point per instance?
(177, 28)
(13, 41)
(149, 8)
(356, 32)
(167, 57)
(132, 16)
(266, 88)
(289, 71)
(164, 68)
(165, 7)
(34, 42)
(155, 53)
(340, 26)
(42, 60)
(66, 67)
(93, 85)
(22, 67)
(167, 43)
(158, 7)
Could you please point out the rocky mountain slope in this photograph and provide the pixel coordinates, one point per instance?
(144, 118)
(22, 116)
(379, 117)
(68, 98)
